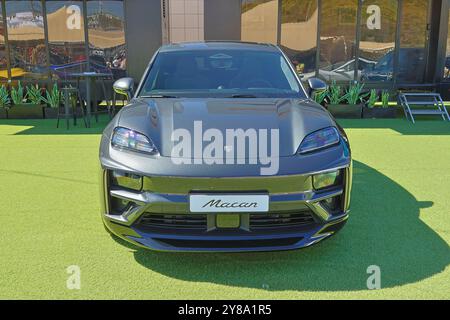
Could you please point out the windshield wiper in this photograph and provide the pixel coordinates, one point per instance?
(159, 96)
(243, 96)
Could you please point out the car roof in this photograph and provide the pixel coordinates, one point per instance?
(212, 45)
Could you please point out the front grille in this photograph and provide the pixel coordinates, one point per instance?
(231, 244)
(173, 222)
(199, 222)
(281, 220)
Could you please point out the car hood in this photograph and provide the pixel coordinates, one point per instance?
(158, 118)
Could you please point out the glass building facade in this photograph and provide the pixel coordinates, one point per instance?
(446, 74)
(381, 42)
(49, 40)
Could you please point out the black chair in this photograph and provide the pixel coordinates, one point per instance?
(69, 91)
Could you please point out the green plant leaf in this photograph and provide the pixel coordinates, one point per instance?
(17, 95)
(320, 96)
(385, 99)
(53, 97)
(34, 94)
(335, 93)
(5, 101)
(354, 94)
(373, 98)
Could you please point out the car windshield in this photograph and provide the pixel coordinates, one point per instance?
(385, 63)
(221, 73)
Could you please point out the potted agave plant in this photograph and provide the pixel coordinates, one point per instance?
(334, 96)
(369, 110)
(5, 102)
(27, 106)
(387, 110)
(53, 100)
(374, 110)
(320, 96)
(348, 105)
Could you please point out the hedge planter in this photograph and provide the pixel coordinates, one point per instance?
(3, 113)
(26, 111)
(379, 113)
(345, 111)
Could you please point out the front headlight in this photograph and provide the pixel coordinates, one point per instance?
(321, 139)
(124, 138)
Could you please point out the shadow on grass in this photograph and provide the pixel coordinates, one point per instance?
(423, 126)
(384, 230)
(48, 126)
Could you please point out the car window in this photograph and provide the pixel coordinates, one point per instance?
(289, 75)
(363, 64)
(221, 73)
(384, 63)
(347, 67)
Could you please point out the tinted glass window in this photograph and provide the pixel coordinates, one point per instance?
(3, 54)
(26, 39)
(412, 41)
(221, 73)
(447, 59)
(107, 37)
(66, 38)
(337, 39)
(259, 20)
(299, 34)
(378, 33)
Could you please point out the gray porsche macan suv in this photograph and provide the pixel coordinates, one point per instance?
(221, 149)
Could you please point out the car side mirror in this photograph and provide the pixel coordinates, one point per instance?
(125, 87)
(316, 85)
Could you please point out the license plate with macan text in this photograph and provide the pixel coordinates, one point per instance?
(228, 203)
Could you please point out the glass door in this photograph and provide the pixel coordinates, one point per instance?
(299, 25)
(337, 60)
(447, 56)
(378, 37)
(414, 36)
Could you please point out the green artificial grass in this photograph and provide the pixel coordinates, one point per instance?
(400, 222)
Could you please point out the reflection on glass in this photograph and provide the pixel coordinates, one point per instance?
(378, 31)
(107, 37)
(3, 55)
(259, 20)
(25, 25)
(337, 40)
(412, 62)
(299, 34)
(447, 59)
(66, 37)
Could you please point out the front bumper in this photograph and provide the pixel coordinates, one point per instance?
(157, 216)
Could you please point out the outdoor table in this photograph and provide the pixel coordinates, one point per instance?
(90, 78)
